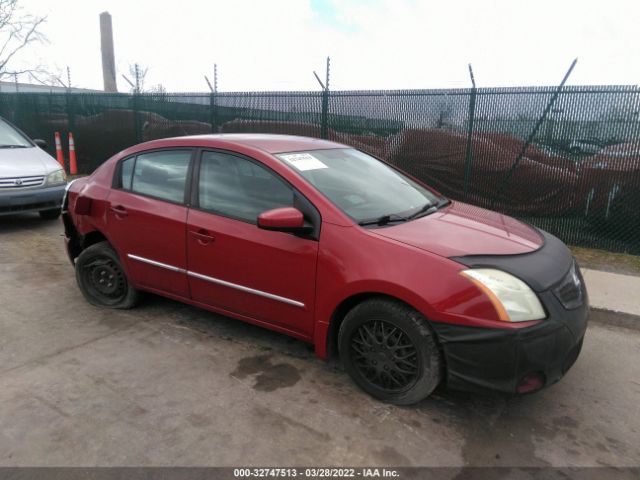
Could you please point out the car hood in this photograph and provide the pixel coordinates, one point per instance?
(461, 229)
(23, 162)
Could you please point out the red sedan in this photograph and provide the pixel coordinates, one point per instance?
(327, 244)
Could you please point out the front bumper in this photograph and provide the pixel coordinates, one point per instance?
(498, 359)
(31, 199)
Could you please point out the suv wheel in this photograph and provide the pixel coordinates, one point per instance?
(101, 278)
(389, 350)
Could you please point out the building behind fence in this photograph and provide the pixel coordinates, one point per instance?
(579, 177)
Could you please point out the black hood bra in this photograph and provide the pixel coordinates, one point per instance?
(540, 269)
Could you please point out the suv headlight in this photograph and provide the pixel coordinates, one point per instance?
(55, 178)
(513, 300)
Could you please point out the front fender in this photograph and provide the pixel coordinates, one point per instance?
(352, 263)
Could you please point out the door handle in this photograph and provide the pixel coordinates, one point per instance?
(202, 236)
(119, 210)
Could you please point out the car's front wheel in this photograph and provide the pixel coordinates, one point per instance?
(390, 351)
(102, 279)
(49, 214)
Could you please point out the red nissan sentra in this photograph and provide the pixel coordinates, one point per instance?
(329, 245)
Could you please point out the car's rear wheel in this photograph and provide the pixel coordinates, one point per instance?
(102, 279)
(389, 350)
(49, 214)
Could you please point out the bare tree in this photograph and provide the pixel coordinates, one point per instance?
(17, 31)
(54, 77)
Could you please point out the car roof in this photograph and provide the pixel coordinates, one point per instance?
(268, 142)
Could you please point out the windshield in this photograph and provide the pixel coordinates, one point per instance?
(10, 137)
(361, 186)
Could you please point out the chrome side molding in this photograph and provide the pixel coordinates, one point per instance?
(260, 293)
(156, 264)
(218, 281)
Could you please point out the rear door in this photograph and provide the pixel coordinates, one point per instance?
(234, 265)
(147, 218)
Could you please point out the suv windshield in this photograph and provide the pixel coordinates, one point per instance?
(11, 138)
(365, 188)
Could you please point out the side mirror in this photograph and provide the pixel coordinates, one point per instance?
(82, 206)
(287, 219)
(41, 143)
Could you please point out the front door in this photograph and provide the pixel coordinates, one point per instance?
(266, 276)
(147, 219)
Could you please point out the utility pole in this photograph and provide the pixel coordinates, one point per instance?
(213, 104)
(71, 119)
(469, 156)
(137, 72)
(135, 101)
(324, 117)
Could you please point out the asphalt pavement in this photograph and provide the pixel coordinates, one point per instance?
(168, 384)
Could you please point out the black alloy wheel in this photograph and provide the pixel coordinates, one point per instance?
(385, 356)
(390, 351)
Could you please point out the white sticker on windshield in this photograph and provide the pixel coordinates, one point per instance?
(303, 161)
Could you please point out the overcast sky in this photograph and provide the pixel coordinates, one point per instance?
(373, 44)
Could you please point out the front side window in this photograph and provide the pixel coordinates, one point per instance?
(361, 186)
(161, 174)
(238, 188)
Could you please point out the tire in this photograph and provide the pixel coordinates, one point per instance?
(49, 214)
(390, 352)
(102, 279)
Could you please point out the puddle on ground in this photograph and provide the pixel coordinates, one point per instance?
(268, 376)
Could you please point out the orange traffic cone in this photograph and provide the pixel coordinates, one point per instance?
(59, 154)
(73, 164)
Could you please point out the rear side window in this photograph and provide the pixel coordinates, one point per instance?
(238, 188)
(126, 172)
(157, 174)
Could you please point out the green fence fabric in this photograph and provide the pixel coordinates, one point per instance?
(578, 178)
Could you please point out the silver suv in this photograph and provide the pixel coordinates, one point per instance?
(31, 180)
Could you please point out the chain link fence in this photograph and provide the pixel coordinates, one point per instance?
(570, 166)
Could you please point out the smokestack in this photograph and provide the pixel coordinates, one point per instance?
(108, 58)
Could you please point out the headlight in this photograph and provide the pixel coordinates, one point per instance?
(513, 300)
(56, 177)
